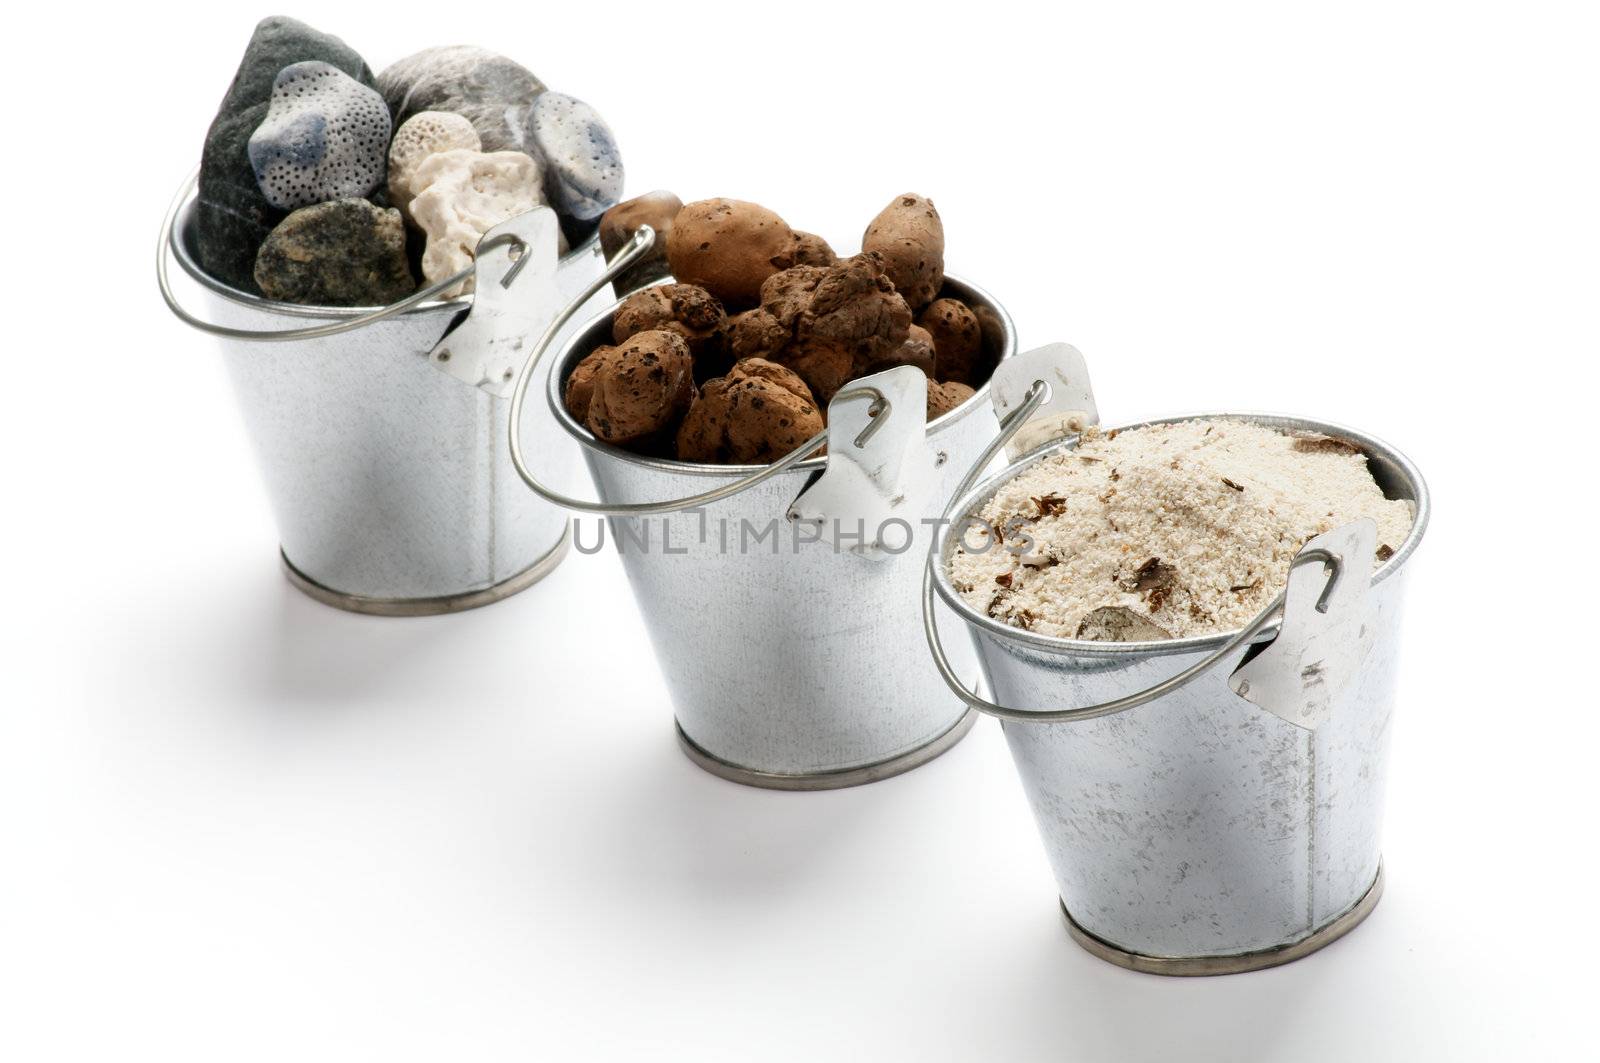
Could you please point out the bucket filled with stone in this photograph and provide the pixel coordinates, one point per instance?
(778, 582)
(374, 254)
(1189, 629)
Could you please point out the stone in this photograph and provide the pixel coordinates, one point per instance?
(756, 414)
(617, 226)
(636, 392)
(232, 217)
(909, 234)
(325, 136)
(460, 195)
(807, 249)
(729, 247)
(346, 252)
(827, 323)
(691, 312)
(991, 327)
(492, 92)
(425, 133)
(957, 339)
(916, 351)
(583, 169)
(946, 395)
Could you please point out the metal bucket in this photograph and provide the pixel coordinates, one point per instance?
(791, 666)
(389, 479)
(1192, 831)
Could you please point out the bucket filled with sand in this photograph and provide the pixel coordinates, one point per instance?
(1189, 629)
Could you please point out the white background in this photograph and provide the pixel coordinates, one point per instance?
(237, 825)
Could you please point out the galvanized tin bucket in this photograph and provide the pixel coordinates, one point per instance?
(792, 664)
(389, 479)
(1209, 805)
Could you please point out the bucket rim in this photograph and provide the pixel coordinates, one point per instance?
(944, 544)
(183, 221)
(581, 338)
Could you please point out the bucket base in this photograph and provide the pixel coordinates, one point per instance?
(1194, 966)
(449, 603)
(827, 780)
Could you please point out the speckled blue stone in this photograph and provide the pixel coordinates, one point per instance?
(325, 136)
(583, 168)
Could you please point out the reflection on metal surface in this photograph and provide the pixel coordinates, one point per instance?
(1238, 963)
(454, 603)
(827, 780)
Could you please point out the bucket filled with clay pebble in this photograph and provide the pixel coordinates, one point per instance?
(375, 253)
(1189, 630)
(778, 582)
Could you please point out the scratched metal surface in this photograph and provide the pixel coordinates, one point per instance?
(792, 662)
(1200, 824)
(387, 477)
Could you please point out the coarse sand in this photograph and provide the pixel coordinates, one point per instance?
(1164, 531)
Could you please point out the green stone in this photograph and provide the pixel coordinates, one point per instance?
(346, 252)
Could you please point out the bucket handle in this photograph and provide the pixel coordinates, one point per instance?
(312, 332)
(636, 247)
(930, 625)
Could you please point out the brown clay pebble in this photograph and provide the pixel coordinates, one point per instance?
(655, 209)
(807, 249)
(856, 307)
(617, 226)
(580, 382)
(916, 351)
(641, 388)
(825, 323)
(756, 334)
(910, 236)
(773, 324)
(728, 247)
(991, 327)
(689, 311)
(944, 396)
(957, 339)
(756, 414)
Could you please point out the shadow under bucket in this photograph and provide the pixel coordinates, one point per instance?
(1196, 832)
(791, 665)
(389, 478)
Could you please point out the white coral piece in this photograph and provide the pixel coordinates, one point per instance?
(462, 194)
(424, 134)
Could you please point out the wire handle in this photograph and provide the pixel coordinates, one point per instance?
(636, 248)
(930, 625)
(169, 236)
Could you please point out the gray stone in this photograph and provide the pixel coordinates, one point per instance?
(617, 226)
(342, 253)
(232, 216)
(325, 136)
(583, 168)
(492, 92)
